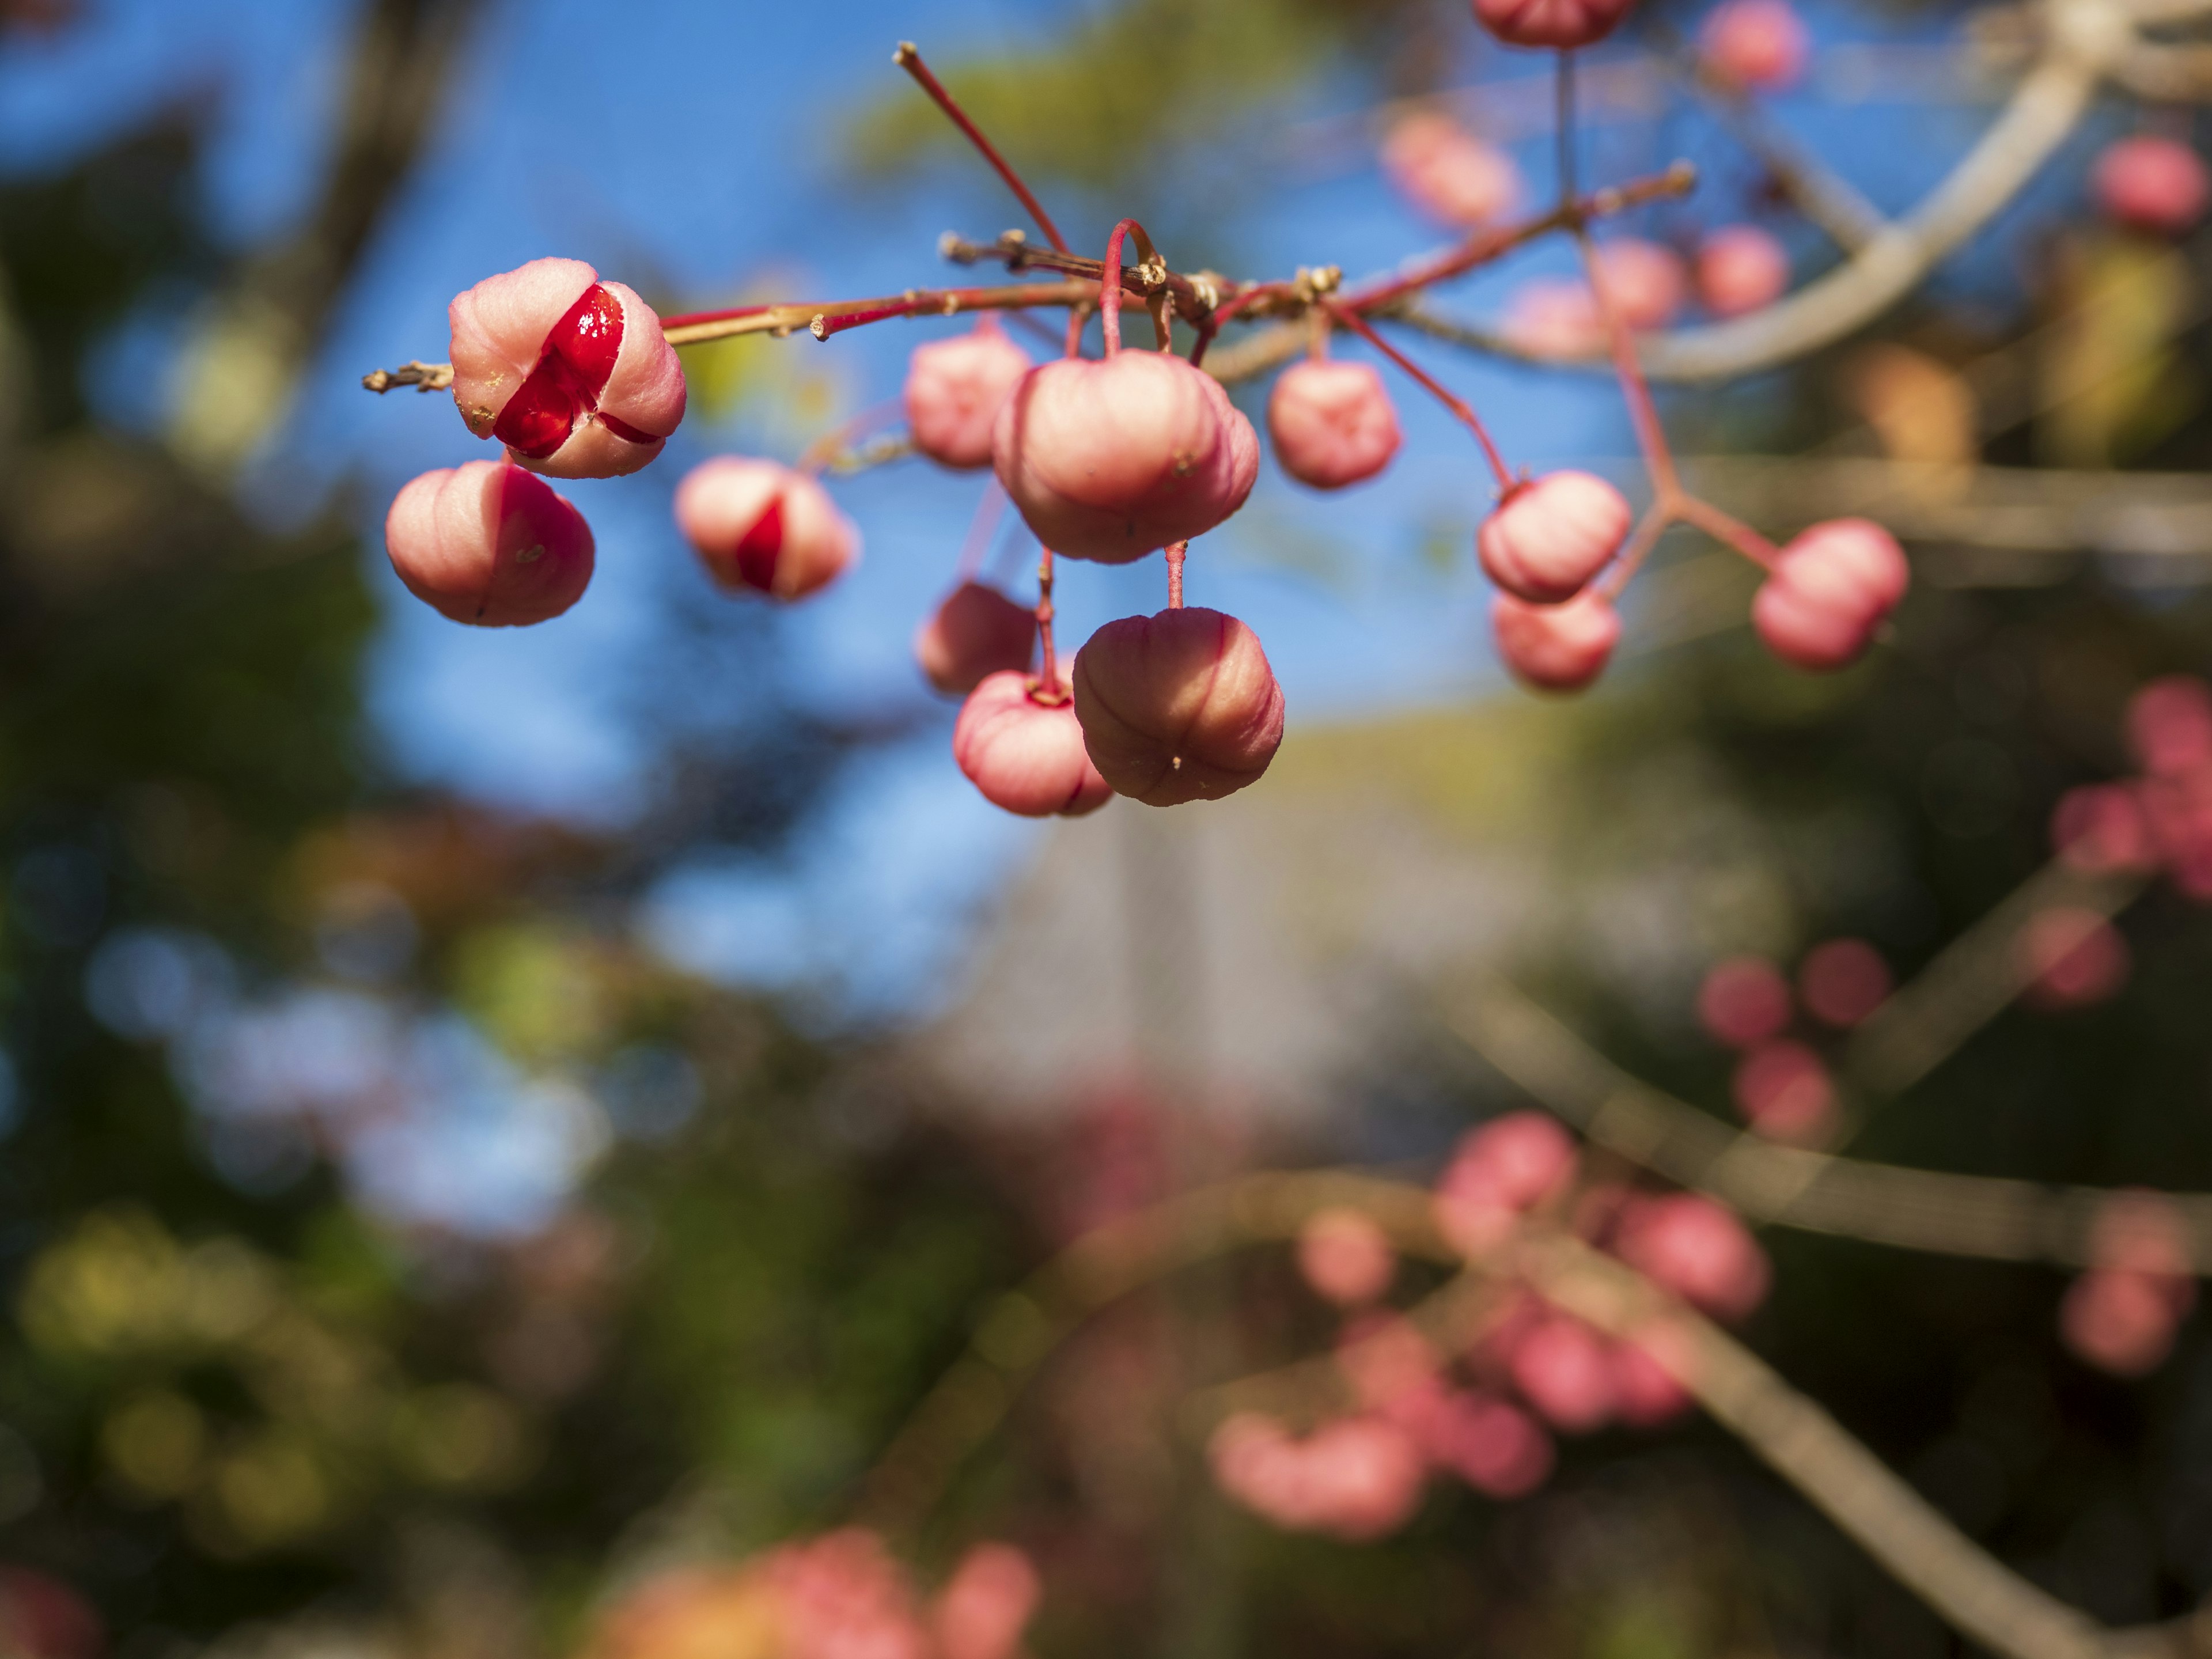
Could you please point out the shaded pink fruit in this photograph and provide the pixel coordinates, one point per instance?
(2170, 725)
(1179, 705)
(983, 1607)
(1546, 539)
(1843, 982)
(1511, 1165)
(1686, 1244)
(1830, 589)
(2178, 812)
(760, 527)
(1345, 1257)
(1741, 268)
(2100, 828)
(572, 374)
(1356, 1479)
(1644, 281)
(1555, 23)
(1563, 1369)
(1114, 459)
(1391, 1366)
(1024, 755)
(1755, 43)
(976, 633)
(487, 544)
(2153, 184)
(1494, 1446)
(955, 389)
(1555, 648)
(2120, 1322)
(1332, 423)
(1648, 1365)
(1447, 172)
(1783, 1089)
(1554, 317)
(1744, 1000)
(2071, 958)
(843, 1595)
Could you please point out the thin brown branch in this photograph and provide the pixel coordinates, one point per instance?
(423, 377)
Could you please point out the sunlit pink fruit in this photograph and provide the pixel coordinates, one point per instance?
(1178, 706)
(980, 1612)
(2170, 725)
(2100, 828)
(1331, 423)
(1645, 281)
(1741, 268)
(1744, 1000)
(1783, 1089)
(2121, 1322)
(1686, 1244)
(955, 389)
(1114, 459)
(2154, 184)
(1548, 539)
(977, 632)
(571, 373)
(1842, 980)
(1345, 1257)
(1563, 24)
(762, 528)
(1554, 317)
(1495, 1447)
(1755, 43)
(2072, 957)
(1830, 589)
(1648, 1365)
(1555, 648)
(487, 544)
(1447, 172)
(1564, 1370)
(1025, 755)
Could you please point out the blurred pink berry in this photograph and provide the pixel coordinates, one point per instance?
(1686, 1244)
(1744, 1000)
(1783, 1089)
(1391, 1366)
(1494, 1446)
(1555, 648)
(1563, 1369)
(1831, 587)
(1177, 707)
(1512, 1163)
(977, 632)
(2177, 811)
(2152, 184)
(983, 1607)
(1755, 43)
(955, 389)
(1357, 1479)
(1644, 281)
(1560, 24)
(572, 374)
(1548, 539)
(487, 544)
(1741, 268)
(2170, 725)
(2141, 1231)
(1345, 1258)
(2100, 828)
(1331, 423)
(1447, 172)
(1554, 317)
(1648, 1365)
(1843, 982)
(2072, 957)
(2121, 1322)
(844, 1596)
(760, 527)
(1025, 755)
(1114, 459)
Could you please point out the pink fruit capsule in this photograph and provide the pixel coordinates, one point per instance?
(1546, 539)
(1024, 755)
(1686, 1244)
(1741, 268)
(1178, 706)
(1496, 1448)
(572, 374)
(2170, 725)
(762, 528)
(2121, 1322)
(1644, 281)
(2101, 827)
(2072, 957)
(1563, 1369)
(1760, 43)
(1555, 648)
(1648, 1365)
(980, 1612)
(1332, 423)
(1783, 1089)
(1114, 459)
(954, 390)
(2153, 184)
(487, 544)
(1554, 317)
(1829, 590)
(1447, 172)
(1560, 24)
(1843, 982)
(977, 632)
(1744, 1000)
(1345, 1258)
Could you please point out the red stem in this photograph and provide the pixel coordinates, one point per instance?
(1733, 532)
(1643, 415)
(1109, 285)
(1046, 689)
(907, 58)
(981, 529)
(1360, 326)
(1176, 552)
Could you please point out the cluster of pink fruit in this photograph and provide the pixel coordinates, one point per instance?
(1479, 1415)
(2122, 1315)
(1782, 1086)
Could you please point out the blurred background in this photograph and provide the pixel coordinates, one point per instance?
(487, 1114)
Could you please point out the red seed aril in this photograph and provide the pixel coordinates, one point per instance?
(1686, 1244)
(762, 528)
(955, 389)
(1831, 586)
(486, 543)
(1332, 423)
(977, 632)
(1447, 172)
(1024, 755)
(1177, 707)
(2148, 183)
(1114, 459)
(1546, 539)
(1560, 25)
(1555, 648)
(1842, 982)
(1744, 1000)
(1759, 43)
(1741, 268)
(572, 374)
